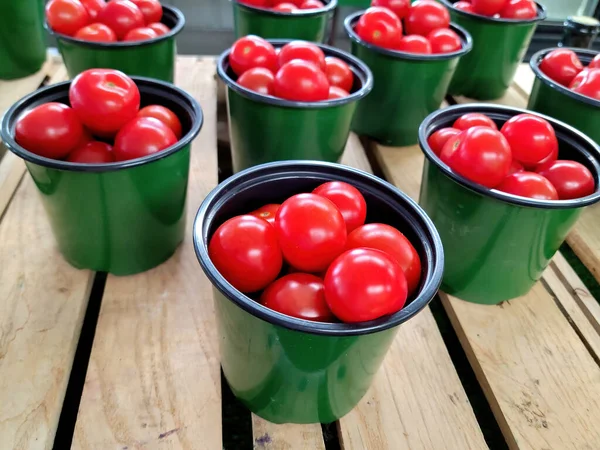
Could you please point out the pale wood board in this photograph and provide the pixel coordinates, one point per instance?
(512, 97)
(524, 79)
(154, 378)
(269, 436)
(12, 169)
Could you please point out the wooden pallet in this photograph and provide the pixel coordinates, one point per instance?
(151, 378)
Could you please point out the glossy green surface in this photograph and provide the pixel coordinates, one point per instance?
(287, 376)
(122, 221)
(22, 38)
(494, 250)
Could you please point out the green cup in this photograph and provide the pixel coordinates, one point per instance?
(498, 48)
(407, 87)
(289, 370)
(307, 25)
(554, 100)
(263, 128)
(497, 245)
(22, 39)
(153, 58)
(122, 217)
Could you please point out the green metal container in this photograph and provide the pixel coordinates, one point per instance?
(407, 87)
(263, 128)
(307, 25)
(123, 217)
(154, 58)
(498, 48)
(497, 245)
(554, 100)
(292, 370)
(22, 39)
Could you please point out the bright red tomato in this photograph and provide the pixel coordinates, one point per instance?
(519, 10)
(311, 231)
(93, 7)
(66, 16)
(561, 65)
(364, 284)
(570, 178)
(96, 32)
(531, 138)
(258, 79)
(266, 212)
(349, 201)
(479, 154)
(528, 184)
(470, 120)
(92, 153)
(311, 4)
(300, 295)
(379, 26)
(104, 100)
(301, 80)
(252, 51)
(52, 130)
(444, 40)
(389, 240)
(121, 16)
(285, 7)
(464, 6)
(86, 137)
(587, 82)
(151, 10)
(488, 7)
(425, 16)
(338, 73)
(438, 139)
(165, 115)
(413, 43)
(337, 92)
(141, 137)
(246, 252)
(515, 166)
(398, 7)
(544, 162)
(306, 51)
(140, 34)
(159, 28)
(595, 64)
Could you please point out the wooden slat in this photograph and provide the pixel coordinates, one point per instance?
(269, 436)
(524, 79)
(12, 169)
(513, 97)
(153, 380)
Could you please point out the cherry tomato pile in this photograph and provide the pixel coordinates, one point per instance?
(314, 258)
(286, 6)
(565, 67)
(521, 158)
(423, 27)
(105, 103)
(102, 21)
(505, 9)
(299, 71)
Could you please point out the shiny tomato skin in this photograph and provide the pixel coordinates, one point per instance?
(159, 28)
(66, 16)
(464, 6)
(587, 82)
(488, 7)
(165, 115)
(425, 16)
(337, 92)
(245, 251)
(121, 16)
(311, 232)
(285, 7)
(104, 100)
(338, 73)
(531, 138)
(364, 284)
(570, 178)
(140, 34)
(252, 51)
(479, 154)
(398, 7)
(258, 79)
(86, 137)
(151, 10)
(348, 200)
(93, 7)
(515, 166)
(306, 51)
(438, 139)
(444, 40)
(519, 10)
(302, 81)
(141, 137)
(379, 26)
(52, 130)
(96, 32)
(595, 63)
(529, 185)
(92, 153)
(561, 65)
(543, 163)
(413, 43)
(389, 240)
(312, 4)
(470, 120)
(267, 212)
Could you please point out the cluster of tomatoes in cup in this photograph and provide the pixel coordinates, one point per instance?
(313, 257)
(286, 6)
(519, 159)
(104, 123)
(565, 67)
(102, 21)
(426, 27)
(505, 9)
(299, 71)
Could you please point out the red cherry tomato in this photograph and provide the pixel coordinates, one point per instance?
(470, 120)
(311, 4)
(425, 16)
(570, 178)
(528, 184)
(121, 16)
(52, 130)
(595, 64)
(258, 79)
(104, 100)
(544, 162)
(66, 16)
(159, 28)
(379, 26)
(587, 82)
(338, 73)
(96, 32)
(311, 231)
(151, 10)
(398, 7)
(413, 43)
(285, 7)
(295, 2)
(561, 65)
(92, 153)
(488, 7)
(266, 212)
(531, 138)
(349, 201)
(464, 6)
(86, 137)
(438, 139)
(165, 115)
(252, 51)
(93, 7)
(140, 34)
(444, 40)
(479, 154)
(336, 92)
(300, 295)
(389, 240)
(305, 51)
(519, 10)
(301, 80)
(246, 252)
(364, 284)
(515, 166)
(141, 137)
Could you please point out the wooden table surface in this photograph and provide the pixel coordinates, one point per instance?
(90, 361)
